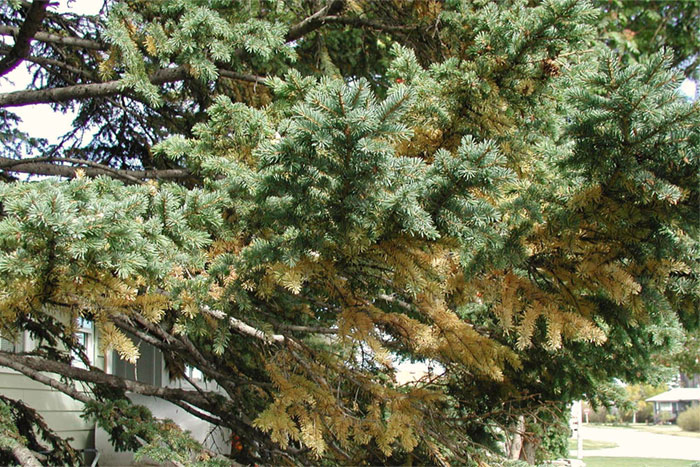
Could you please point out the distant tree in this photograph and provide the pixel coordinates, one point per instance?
(641, 410)
(290, 196)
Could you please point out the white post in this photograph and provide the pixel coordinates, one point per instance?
(579, 438)
(580, 443)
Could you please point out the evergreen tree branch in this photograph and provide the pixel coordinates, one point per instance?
(24, 455)
(56, 39)
(242, 76)
(46, 166)
(87, 91)
(247, 329)
(366, 23)
(22, 364)
(84, 91)
(24, 37)
(33, 427)
(32, 366)
(315, 21)
(158, 337)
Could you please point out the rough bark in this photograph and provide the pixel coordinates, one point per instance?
(84, 91)
(56, 39)
(527, 453)
(514, 441)
(314, 21)
(24, 456)
(24, 37)
(33, 365)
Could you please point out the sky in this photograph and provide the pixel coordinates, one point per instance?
(39, 120)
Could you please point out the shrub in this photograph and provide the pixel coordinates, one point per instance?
(664, 417)
(598, 415)
(690, 419)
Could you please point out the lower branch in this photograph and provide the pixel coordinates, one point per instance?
(21, 364)
(24, 456)
(32, 366)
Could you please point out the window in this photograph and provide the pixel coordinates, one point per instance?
(85, 337)
(148, 368)
(665, 406)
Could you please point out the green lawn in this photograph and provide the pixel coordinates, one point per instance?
(589, 444)
(633, 462)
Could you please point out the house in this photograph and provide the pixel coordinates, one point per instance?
(63, 414)
(669, 404)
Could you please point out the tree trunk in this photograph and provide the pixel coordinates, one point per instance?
(527, 453)
(514, 439)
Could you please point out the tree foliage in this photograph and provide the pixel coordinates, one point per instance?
(293, 196)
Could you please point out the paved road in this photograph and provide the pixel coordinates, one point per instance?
(633, 443)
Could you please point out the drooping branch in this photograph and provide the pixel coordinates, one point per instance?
(24, 456)
(155, 335)
(21, 364)
(23, 39)
(32, 366)
(46, 166)
(32, 426)
(193, 402)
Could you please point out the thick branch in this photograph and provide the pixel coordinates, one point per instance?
(242, 76)
(56, 39)
(23, 40)
(366, 23)
(167, 343)
(84, 91)
(309, 329)
(19, 363)
(245, 328)
(24, 456)
(31, 366)
(314, 21)
(44, 166)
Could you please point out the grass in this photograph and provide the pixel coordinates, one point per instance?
(633, 462)
(589, 444)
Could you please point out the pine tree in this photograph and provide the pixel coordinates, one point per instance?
(293, 196)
